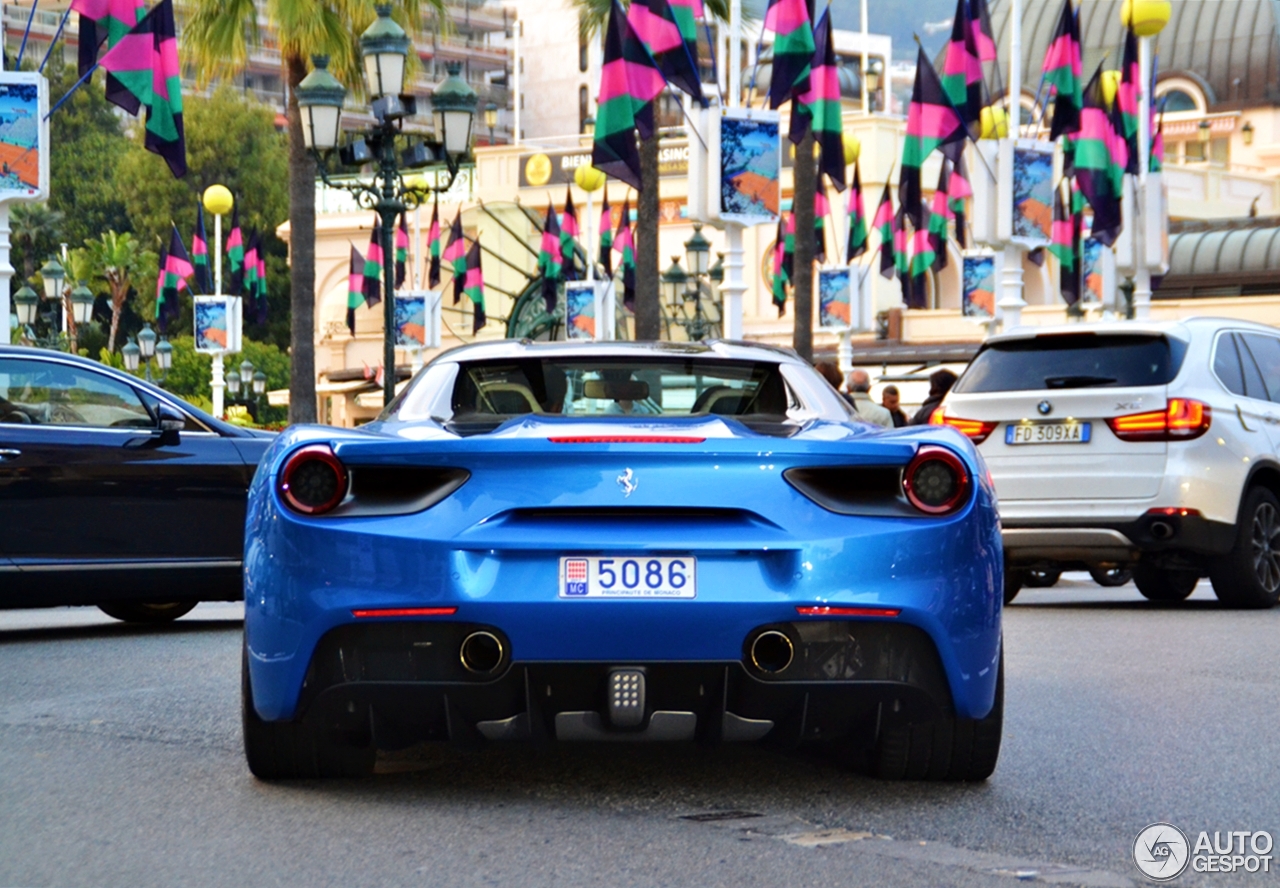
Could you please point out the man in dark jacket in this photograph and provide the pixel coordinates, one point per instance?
(940, 382)
(892, 402)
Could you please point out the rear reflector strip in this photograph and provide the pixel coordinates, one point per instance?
(625, 439)
(848, 611)
(406, 612)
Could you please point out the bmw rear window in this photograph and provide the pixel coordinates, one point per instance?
(1076, 360)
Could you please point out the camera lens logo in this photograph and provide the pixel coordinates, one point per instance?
(1162, 852)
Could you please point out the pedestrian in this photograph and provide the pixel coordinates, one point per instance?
(831, 373)
(940, 382)
(867, 409)
(892, 402)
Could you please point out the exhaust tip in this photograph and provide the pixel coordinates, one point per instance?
(1162, 530)
(772, 651)
(481, 652)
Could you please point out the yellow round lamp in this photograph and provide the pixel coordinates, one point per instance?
(994, 122)
(588, 178)
(1110, 86)
(1148, 17)
(852, 148)
(218, 200)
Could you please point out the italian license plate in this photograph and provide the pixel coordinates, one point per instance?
(1065, 432)
(628, 577)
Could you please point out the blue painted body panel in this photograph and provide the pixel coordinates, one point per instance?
(303, 576)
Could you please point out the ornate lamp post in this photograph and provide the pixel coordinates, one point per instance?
(683, 289)
(146, 349)
(385, 47)
(218, 201)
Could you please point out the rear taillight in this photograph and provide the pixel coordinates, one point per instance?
(1181, 420)
(936, 482)
(974, 429)
(313, 480)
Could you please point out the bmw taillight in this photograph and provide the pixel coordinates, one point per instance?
(975, 430)
(936, 481)
(313, 480)
(1181, 420)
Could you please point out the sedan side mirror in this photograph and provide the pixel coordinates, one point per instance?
(172, 421)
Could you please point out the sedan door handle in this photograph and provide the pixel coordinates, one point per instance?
(9, 454)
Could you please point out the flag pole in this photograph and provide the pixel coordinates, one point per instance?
(79, 83)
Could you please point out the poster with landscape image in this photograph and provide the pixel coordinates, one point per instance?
(1033, 195)
(980, 286)
(750, 168)
(24, 150)
(835, 297)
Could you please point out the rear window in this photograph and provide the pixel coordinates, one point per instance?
(1074, 361)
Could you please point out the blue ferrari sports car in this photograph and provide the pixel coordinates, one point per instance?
(622, 542)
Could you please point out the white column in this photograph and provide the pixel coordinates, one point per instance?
(1011, 301)
(6, 272)
(733, 286)
(218, 382)
(844, 352)
(866, 42)
(590, 227)
(516, 27)
(1142, 277)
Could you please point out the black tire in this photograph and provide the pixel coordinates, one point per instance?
(1013, 583)
(948, 748)
(1042, 579)
(1249, 575)
(146, 611)
(287, 750)
(1160, 584)
(1111, 577)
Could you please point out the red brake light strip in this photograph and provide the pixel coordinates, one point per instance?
(405, 612)
(625, 439)
(828, 611)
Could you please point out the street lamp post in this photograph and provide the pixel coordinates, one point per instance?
(683, 288)
(145, 348)
(385, 47)
(254, 383)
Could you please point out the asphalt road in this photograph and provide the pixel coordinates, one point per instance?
(120, 765)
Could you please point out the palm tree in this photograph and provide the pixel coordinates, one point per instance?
(35, 228)
(117, 260)
(215, 39)
(593, 15)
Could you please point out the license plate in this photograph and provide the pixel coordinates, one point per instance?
(628, 577)
(1065, 432)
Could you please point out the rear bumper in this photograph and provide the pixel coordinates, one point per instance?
(1093, 541)
(396, 683)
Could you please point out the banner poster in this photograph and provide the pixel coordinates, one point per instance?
(980, 286)
(1094, 285)
(411, 319)
(580, 300)
(835, 298)
(24, 136)
(1033, 195)
(746, 165)
(214, 324)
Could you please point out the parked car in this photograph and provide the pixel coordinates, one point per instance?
(115, 493)
(1143, 446)
(622, 541)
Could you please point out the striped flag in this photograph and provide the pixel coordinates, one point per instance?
(779, 289)
(433, 247)
(980, 26)
(355, 287)
(456, 255)
(1096, 157)
(174, 270)
(932, 123)
(793, 46)
(200, 253)
(654, 22)
(629, 82)
(958, 190)
(962, 69)
(104, 21)
(402, 249)
(819, 106)
(857, 242)
(687, 13)
(251, 270)
(568, 232)
(606, 236)
(821, 209)
(1062, 73)
(624, 245)
(261, 299)
(1063, 246)
(939, 215)
(235, 254)
(373, 267)
(1127, 98)
(550, 262)
(473, 285)
(884, 225)
(789, 246)
(148, 74)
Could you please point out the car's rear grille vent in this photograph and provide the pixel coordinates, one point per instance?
(853, 490)
(398, 490)
(624, 518)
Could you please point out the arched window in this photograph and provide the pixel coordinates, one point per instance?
(1178, 100)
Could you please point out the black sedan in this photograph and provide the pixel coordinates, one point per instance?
(115, 493)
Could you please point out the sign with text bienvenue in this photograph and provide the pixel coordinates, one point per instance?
(541, 168)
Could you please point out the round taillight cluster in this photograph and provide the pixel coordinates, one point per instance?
(936, 481)
(313, 480)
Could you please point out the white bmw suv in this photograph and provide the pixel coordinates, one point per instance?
(1150, 446)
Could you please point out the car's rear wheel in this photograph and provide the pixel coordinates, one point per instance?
(285, 750)
(1249, 575)
(1111, 576)
(947, 748)
(147, 611)
(1161, 584)
(1013, 583)
(1042, 579)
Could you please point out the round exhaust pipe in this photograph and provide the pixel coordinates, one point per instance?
(1162, 530)
(481, 652)
(772, 651)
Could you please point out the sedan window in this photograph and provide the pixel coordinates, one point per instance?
(50, 393)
